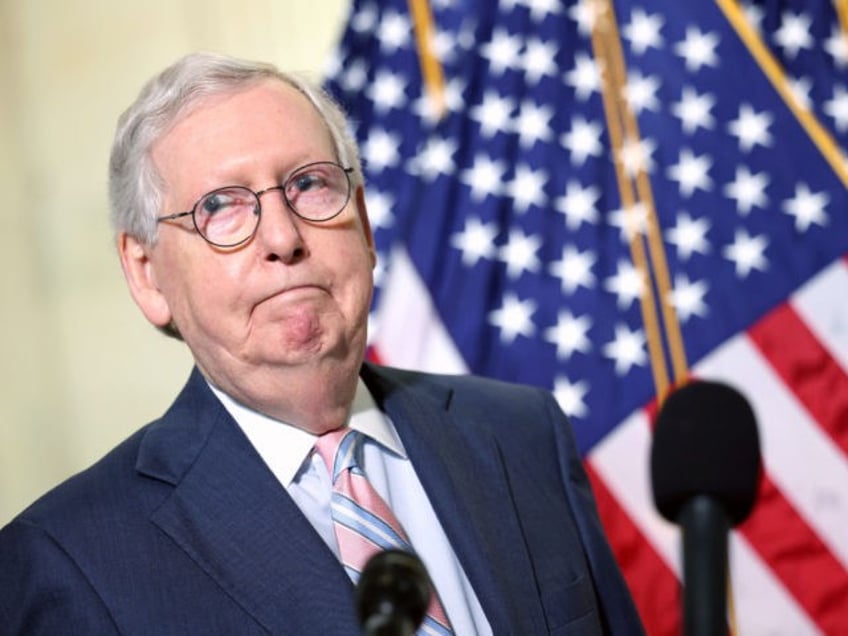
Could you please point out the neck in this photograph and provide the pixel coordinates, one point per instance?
(314, 399)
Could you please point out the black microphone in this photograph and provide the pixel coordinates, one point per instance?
(705, 468)
(393, 594)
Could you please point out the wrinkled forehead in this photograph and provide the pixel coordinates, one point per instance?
(271, 112)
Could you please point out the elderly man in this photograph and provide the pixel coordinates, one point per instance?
(286, 462)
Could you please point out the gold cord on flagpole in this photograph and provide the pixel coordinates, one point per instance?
(659, 265)
(773, 71)
(431, 67)
(611, 93)
(673, 335)
(635, 190)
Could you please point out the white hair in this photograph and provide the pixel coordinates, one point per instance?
(135, 186)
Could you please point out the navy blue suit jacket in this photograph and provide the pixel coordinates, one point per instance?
(182, 529)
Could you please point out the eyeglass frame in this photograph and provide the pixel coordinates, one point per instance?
(258, 194)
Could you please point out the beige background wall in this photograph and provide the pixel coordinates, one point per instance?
(79, 366)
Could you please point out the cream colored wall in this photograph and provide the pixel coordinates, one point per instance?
(79, 366)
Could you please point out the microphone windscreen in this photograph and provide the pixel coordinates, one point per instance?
(393, 593)
(705, 443)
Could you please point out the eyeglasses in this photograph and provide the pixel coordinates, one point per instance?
(229, 216)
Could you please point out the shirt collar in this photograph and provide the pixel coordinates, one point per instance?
(284, 447)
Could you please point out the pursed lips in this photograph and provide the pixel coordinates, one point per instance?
(294, 292)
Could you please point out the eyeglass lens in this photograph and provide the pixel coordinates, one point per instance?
(229, 216)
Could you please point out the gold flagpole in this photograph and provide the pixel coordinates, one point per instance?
(431, 67)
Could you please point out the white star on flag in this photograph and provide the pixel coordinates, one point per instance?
(513, 318)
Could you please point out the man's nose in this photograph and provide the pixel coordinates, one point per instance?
(279, 228)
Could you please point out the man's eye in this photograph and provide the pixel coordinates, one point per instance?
(213, 203)
(219, 201)
(306, 182)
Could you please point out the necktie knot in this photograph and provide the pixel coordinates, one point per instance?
(338, 450)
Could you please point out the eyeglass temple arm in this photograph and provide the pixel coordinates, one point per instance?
(171, 217)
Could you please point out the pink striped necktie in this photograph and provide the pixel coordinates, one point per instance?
(363, 522)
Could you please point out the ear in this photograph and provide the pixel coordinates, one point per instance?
(141, 279)
(366, 224)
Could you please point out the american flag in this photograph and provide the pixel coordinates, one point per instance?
(529, 233)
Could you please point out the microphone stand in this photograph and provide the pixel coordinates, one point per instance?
(705, 528)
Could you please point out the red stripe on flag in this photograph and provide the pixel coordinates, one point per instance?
(797, 557)
(652, 583)
(372, 354)
(807, 368)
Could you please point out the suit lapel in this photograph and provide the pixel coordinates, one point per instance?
(463, 474)
(232, 517)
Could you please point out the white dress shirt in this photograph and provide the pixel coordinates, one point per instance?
(287, 451)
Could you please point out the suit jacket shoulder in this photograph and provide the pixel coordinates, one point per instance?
(181, 529)
(502, 465)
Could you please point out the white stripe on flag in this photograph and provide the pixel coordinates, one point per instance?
(763, 605)
(408, 331)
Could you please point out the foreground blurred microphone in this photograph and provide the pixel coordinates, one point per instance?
(393, 594)
(705, 466)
